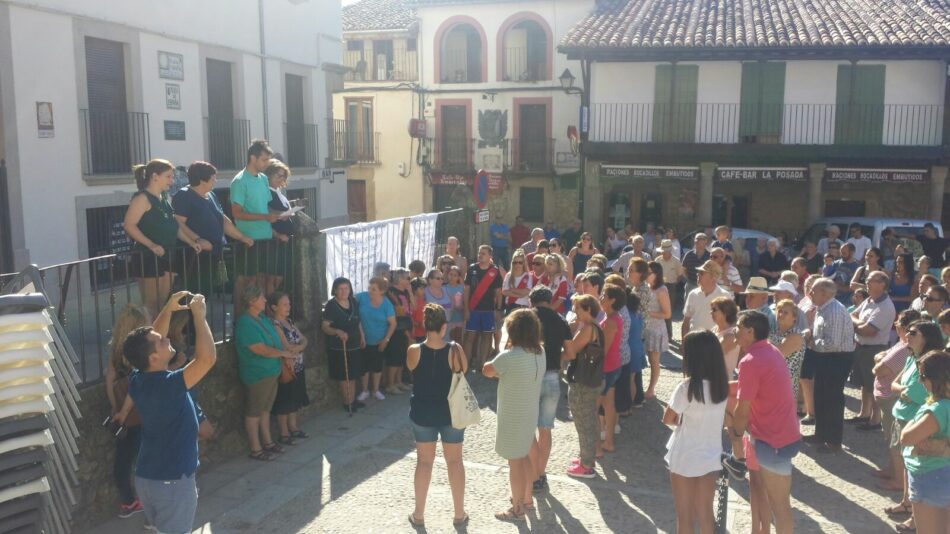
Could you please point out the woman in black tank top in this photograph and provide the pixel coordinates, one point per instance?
(432, 364)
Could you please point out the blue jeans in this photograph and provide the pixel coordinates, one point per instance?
(550, 393)
(169, 505)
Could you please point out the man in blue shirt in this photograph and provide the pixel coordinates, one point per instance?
(842, 271)
(168, 458)
(250, 195)
(500, 243)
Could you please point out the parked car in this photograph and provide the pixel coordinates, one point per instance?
(871, 227)
(737, 233)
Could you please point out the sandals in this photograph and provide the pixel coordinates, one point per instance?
(899, 509)
(904, 527)
(511, 515)
(273, 448)
(416, 522)
(299, 434)
(460, 521)
(261, 456)
(287, 440)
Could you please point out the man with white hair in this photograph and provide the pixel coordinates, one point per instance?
(833, 233)
(772, 262)
(831, 342)
(637, 242)
(531, 246)
(872, 330)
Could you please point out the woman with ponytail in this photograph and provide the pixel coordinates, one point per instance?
(151, 223)
(432, 363)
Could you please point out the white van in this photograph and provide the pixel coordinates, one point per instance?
(871, 227)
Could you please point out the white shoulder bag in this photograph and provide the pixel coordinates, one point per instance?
(462, 402)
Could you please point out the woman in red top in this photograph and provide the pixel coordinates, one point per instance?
(611, 300)
(518, 283)
(418, 309)
(557, 281)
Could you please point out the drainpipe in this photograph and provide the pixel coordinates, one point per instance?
(260, 22)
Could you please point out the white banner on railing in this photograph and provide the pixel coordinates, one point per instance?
(421, 242)
(353, 250)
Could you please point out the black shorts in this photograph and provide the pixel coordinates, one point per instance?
(339, 367)
(145, 264)
(395, 352)
(808, 364)
(373, 359)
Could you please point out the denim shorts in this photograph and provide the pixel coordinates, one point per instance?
(169, 505)
(550, 393)
(778, 461)
(431, 434)
(480, 321)
(931, 488)
(610, 379)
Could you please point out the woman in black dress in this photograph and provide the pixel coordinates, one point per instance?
(345, 340)
(291, 396)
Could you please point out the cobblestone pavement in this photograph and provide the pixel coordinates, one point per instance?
(355, 475)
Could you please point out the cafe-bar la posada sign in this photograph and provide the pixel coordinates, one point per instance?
(762, 174)
(648, 171)
(894, 176)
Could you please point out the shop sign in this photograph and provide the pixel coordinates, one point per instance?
(645, 171)
(767, 174)
(895, 176)
(496, 183)
(481, 217)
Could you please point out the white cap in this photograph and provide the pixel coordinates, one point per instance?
(786, 286)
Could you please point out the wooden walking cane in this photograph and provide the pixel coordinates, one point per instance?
(346, 373)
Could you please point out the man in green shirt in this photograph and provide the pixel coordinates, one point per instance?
(250, 195)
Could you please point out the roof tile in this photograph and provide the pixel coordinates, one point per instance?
(379, 15)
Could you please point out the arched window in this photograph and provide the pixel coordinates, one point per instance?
(460, 45)
(524, 49)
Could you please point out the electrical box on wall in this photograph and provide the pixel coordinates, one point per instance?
(417, 128)
(401, 167)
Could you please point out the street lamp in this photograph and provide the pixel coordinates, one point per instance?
(567, 83)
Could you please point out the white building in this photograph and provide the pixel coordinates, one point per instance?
(483, 76)
(89, 88)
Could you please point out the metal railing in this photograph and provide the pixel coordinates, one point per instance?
(453, 154)
(89, 294)
(227, 141)
(348, 145)
(400, 66)
(522, 65)
(788, 124)
(302, 144)
(459, 67)
(112, 141)
(531, 154)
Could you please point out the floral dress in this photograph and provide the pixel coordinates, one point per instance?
(794, 360)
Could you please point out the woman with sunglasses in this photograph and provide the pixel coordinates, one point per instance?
(928, 473)
(922, 337)
(582, 251)
(436, 293)
(903, 290)
(557, 282)
(517, 284)
(557, 248)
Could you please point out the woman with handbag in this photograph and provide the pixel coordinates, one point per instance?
(292, 383)
(520, 369)
(585, 374)
(432, 364)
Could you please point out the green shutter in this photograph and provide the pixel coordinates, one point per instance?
(762, 99)
(662, 99)
(859, 114)
(684, 103)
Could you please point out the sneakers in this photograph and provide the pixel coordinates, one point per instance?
(540, 484)
(734, 466)
(808, 421)
(379, 395)
(149, 527)
(362, 396)
(128, 510)
(579, 471)
(404, 388)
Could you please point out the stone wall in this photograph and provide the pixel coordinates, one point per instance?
(219, 393)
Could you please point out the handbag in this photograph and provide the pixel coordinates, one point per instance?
(287, 374)
(587, 369)
(463, 405)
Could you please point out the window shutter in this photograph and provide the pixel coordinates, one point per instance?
(750, 99)
(843, 124)
(685, 82)
(773, 98)
(662, 99)
(859, 114)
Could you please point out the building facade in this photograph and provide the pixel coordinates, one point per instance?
(766, 122)
(91, 88)
(485, 95)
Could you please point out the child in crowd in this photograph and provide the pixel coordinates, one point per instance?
(455, 289)
(859, 296)
(418, 286)
(828, 268)
(417, 269)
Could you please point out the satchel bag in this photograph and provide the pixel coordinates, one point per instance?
(287, 374)
(462, 402)
(587, 369)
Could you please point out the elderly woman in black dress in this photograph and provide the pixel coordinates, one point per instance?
(345, 340)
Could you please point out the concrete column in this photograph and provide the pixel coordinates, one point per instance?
(704, 212)
(593, 201)
(938, 180)
(816, 176)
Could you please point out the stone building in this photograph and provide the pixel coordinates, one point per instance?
(762, 113)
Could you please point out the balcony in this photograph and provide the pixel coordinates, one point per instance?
(524, 65)
(531, 155)
(227, 141)
(400, 66)
(302, 144)
(353, 147)
(113, 141)
(905, 125)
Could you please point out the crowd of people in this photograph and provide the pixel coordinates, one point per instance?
(765, 352)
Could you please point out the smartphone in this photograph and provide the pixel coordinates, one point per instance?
(186, 300)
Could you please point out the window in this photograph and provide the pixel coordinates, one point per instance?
(674, 112)
(354, 46)
(531, 204)
(461, 55)
(762, 101)
(359, 130)
(859, 114)
(411, 44)
(525, 52)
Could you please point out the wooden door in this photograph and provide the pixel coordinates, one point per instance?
(221, 127)
(454, 149)
(532, 142)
